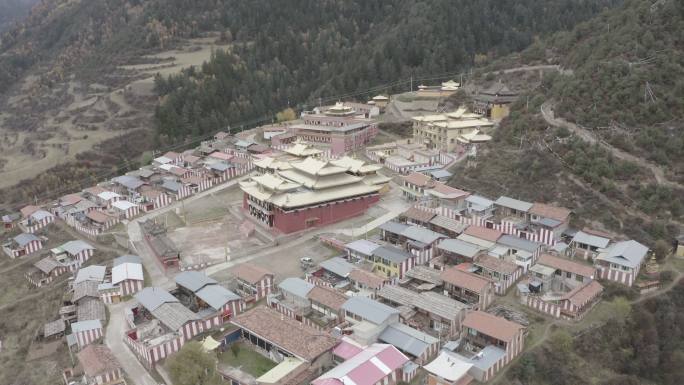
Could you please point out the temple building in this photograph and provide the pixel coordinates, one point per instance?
(342, 127)
(310, 193)
(446, 132)
(495, 101)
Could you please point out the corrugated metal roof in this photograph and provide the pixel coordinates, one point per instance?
(421, 234)
(459, 247)
(91, 273)
(626, 253)
(153, 297)
(369, 309)
(86, 325)
(76, 246)
(216, 296)
(128, 258)
(392, 254)
(337, 265)
(24, 239)
(362, 246)
(591, 240)
(194, 280)
(296, 286)
(519, 243)
(393, 227)
(513, 204)
(412, 342)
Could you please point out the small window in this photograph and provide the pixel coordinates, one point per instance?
(568, 274)
(579, 278)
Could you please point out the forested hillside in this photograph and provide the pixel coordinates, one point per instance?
(631, 179)
(628, 82)
(302, 49)
(639, 344)
(12, 11)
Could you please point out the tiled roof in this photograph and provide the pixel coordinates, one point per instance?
(97, 360)
(493, 326)
(367, 278)
(464, 279)
(250, 273)
(548, 211)
(300, 340)
(327, 297)
(567, 265)
(483, 233)
(419, 179)
(584, 293)
(496, 264)
(418, 215)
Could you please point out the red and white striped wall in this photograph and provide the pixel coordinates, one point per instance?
(87, 337)
(504, 285)
(422, 256)
(131, 286)
(264, 288)
(130, 212)
(83, 256)
(542, 306)
(544, 236)
(107, 296)
(30, 248)
(109, 377)
(150, 355)
(37, 225)
(46, 278)
(623, 277)
(291, 314)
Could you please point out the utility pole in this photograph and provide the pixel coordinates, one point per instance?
(411, 83)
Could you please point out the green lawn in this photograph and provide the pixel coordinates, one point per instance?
(247, 360)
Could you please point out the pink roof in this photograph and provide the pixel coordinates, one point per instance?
(28, 210)
(392, 358)
(345, 350)
(366, 374)
(221, 155)
(367, 367)
(328, 381)
(172, 155)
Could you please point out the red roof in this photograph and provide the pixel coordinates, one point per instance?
(346, 350)
(547, 211)
(418, 214)
(367, 278)
(70, 199)
(491, 325)
(250, 273)
(28, 210)
(582, 294)
(496, 264)
(221, 155)
(98, 216)
(179, 171)
(564, 264)
(483, 233)
(457, 277)
(419, 179)
(452, 192)
(172, 155)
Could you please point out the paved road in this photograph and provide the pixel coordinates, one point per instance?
(588, 136)
(114, 334)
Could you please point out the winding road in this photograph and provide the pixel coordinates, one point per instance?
(589, 136)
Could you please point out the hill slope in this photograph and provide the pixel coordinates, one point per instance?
(601, 147)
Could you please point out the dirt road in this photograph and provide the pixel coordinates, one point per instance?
(588, 136)
(114, 335)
